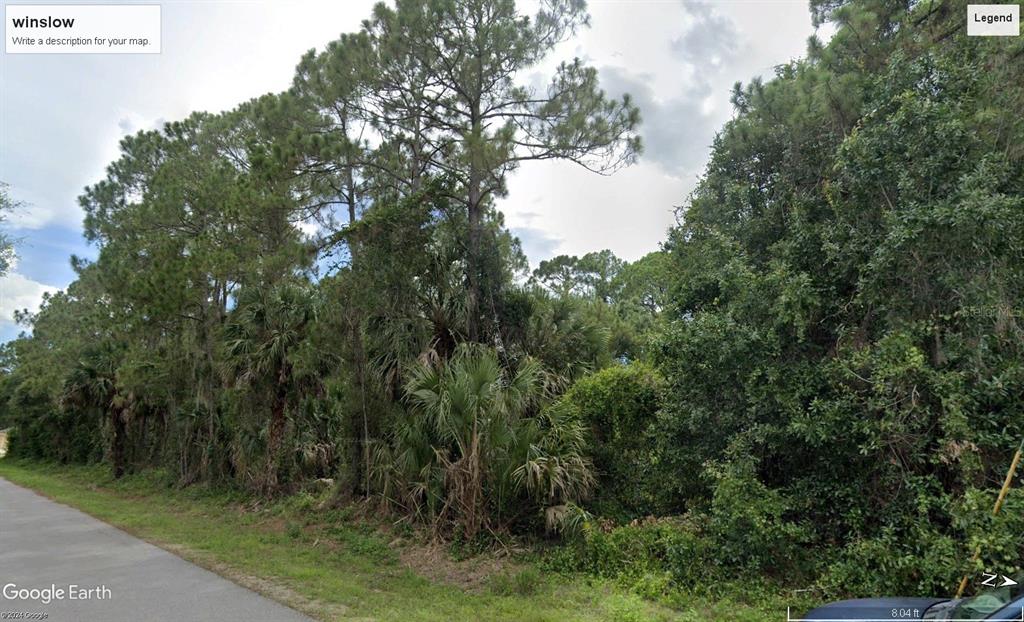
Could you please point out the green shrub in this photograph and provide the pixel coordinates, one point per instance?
(618, 405)
(916, 555)
(747, 522)
(650, 556)
(923, 562)
(743, 532)
(58, 435)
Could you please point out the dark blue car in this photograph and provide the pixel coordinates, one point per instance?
(1004, 604)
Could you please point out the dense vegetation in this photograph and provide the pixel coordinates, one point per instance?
(818, 380)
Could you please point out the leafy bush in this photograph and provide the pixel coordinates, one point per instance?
(59, 436)
(618, 406)
(634, 553)
(747, 523)
(661, 557)
(923, 561)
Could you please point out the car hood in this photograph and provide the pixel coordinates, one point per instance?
(874, 609)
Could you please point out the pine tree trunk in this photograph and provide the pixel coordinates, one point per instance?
(473, 258)
(361, 450)
(359, 464)
(117, 451)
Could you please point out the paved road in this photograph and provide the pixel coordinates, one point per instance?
(43, 543)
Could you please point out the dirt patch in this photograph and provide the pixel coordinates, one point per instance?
(419, 554)
(434, 562)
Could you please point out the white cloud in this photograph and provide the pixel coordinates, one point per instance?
(309, 228)
(679, 61)
(32, 217)
(18, 292)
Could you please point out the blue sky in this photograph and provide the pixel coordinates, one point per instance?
(61, 116)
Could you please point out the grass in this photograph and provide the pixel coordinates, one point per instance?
(331, 566)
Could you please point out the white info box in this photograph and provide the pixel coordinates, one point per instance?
(82, 28)
(993, 20)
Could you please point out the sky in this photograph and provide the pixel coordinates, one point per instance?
(61, 116)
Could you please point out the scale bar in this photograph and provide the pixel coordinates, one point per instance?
(900, 619)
